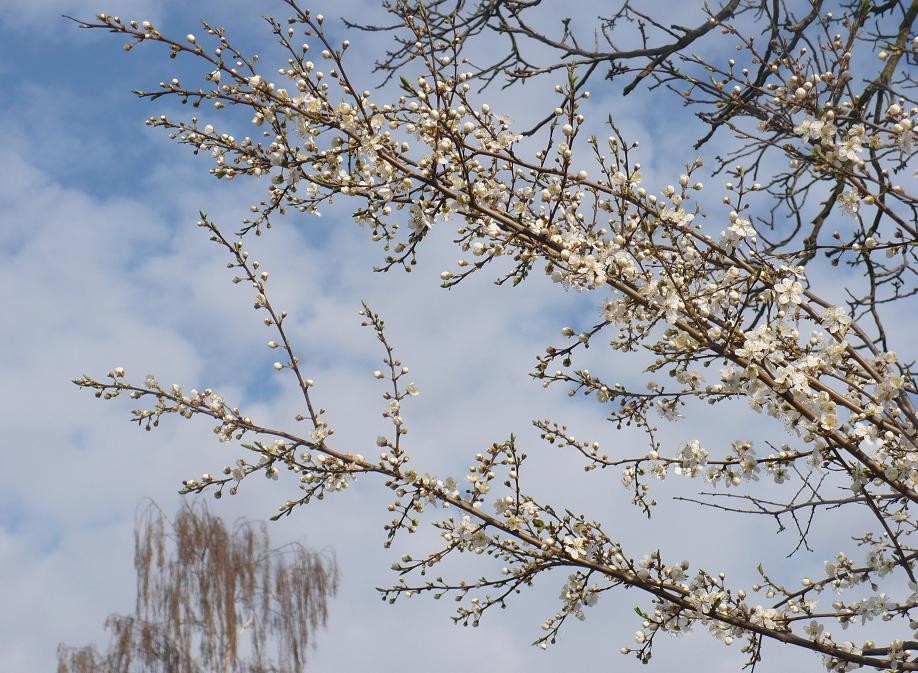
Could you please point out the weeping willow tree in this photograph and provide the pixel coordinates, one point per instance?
(213, 598)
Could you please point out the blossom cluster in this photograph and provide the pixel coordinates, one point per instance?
(726, 316)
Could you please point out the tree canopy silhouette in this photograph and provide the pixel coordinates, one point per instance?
(213, 598)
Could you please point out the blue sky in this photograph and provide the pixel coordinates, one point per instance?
(101, 266)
